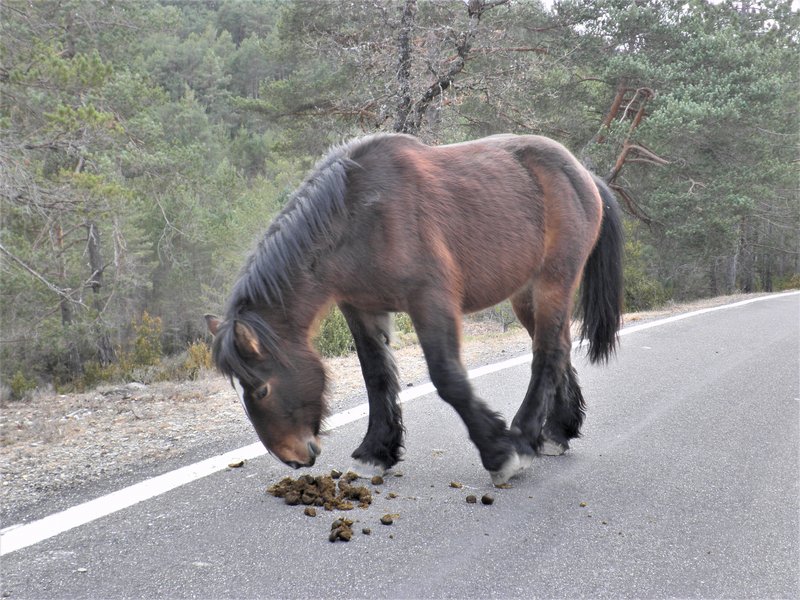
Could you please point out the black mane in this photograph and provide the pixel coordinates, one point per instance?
(304, 223)
(305, 220)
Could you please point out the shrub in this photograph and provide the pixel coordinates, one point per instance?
(94, 374)
(334, 338)
(790, 282)
(21, 385)
(125, 365)
(403, 334)
(403, 323)
(147, 345)
(642, 290)
(198, 359)
(503, 313)
(170, 368)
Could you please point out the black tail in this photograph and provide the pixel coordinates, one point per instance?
(600, 302)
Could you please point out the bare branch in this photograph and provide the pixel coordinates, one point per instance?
(521, 49)
(66, 294)
(631, 205)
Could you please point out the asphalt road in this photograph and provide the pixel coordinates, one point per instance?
(685, 484)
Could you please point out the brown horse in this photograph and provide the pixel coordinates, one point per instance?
(385, 224)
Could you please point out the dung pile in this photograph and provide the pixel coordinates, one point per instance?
(342, 529)
(321, 490)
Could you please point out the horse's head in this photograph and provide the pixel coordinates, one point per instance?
(281, 388)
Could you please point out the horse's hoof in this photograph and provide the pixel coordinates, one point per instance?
(551, 448)
(366, 470)
(514, 464)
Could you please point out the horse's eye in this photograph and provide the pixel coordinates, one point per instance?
(262, 392)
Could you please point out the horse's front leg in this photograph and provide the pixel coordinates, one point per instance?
(438, 332)
(382, 445)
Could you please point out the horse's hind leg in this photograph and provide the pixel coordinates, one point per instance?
(383, 443)
(438, 330)
(565, 417)
(552, 411)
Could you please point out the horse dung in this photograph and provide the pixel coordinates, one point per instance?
(321, 491)
(341, 529)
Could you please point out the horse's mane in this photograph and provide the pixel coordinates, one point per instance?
(304, 223)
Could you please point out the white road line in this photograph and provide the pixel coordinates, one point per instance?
(20, 536)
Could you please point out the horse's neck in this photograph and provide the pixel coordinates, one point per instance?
(301, 308)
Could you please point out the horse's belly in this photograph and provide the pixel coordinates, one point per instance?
(498, 274)
(480, 293)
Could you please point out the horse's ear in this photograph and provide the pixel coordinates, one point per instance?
(213, 322)
(247, 340)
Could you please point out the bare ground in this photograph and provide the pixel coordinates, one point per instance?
(53, 442)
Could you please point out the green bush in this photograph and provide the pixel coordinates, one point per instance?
(642, 291)
(790, 282)
(147, 345)
(198, 359)
(503, 313)
(403, 334)
(94, 374)
(21, 385)
(403, 323)
(334, 337)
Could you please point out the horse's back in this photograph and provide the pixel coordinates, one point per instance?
(476, 216)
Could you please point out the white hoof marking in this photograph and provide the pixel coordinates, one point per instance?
(525, 461)
(513, 465)
(366, 470)
(551, 448)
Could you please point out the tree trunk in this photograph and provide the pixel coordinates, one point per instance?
(57, 241)
(733, 271)
(401, 124)
(712, 278)
(105, 350)
(95, 260)
(746, 254)
(72, 356)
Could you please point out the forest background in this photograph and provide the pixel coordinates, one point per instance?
(145, 145)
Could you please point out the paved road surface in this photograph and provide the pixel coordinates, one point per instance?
(684, 485)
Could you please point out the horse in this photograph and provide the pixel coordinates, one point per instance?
(386, 223)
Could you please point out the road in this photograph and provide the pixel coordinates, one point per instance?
(685, 484)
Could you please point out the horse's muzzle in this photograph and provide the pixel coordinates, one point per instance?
(314, 451)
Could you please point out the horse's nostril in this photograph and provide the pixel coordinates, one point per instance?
(314, 449)
(294, 464)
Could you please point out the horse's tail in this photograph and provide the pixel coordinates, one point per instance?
(600, 302)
